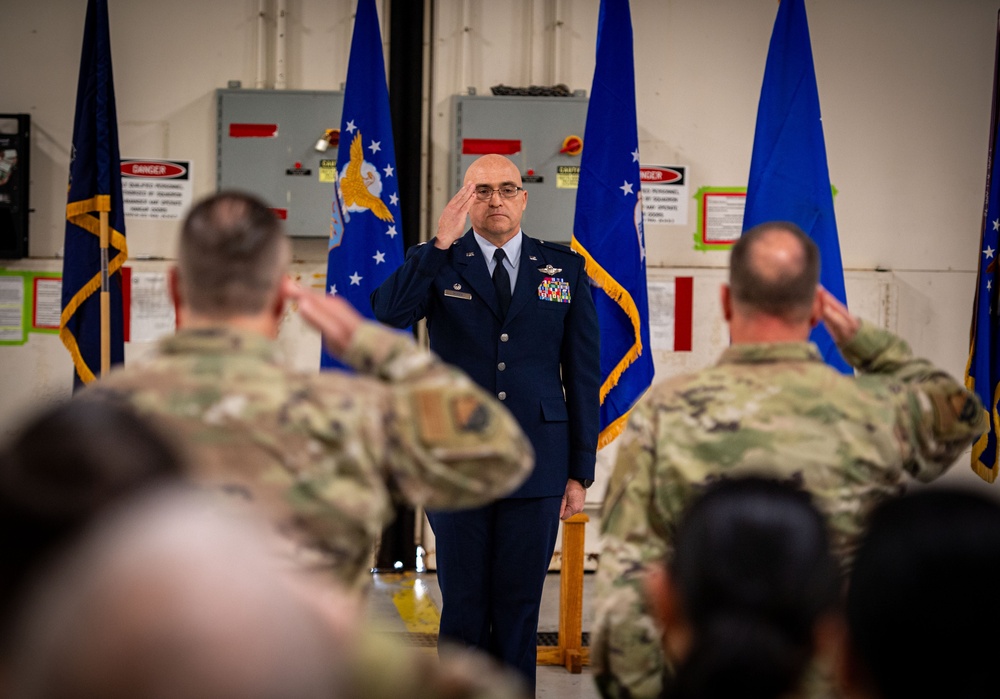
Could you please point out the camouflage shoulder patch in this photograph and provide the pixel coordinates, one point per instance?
(432, 416)
(440, 417)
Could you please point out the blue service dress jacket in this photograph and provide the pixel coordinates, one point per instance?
(542, 360)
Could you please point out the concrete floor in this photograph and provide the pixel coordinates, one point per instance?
(408, 603)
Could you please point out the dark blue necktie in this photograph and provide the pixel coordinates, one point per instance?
(501, 281)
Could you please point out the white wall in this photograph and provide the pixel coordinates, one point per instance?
(904, 85)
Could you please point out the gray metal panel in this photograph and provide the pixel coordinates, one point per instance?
(540, 124)
(261, 165)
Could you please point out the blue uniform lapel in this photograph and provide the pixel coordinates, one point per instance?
(469, 262)
(528, 276)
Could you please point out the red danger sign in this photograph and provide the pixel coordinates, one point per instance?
(159, 169)
(661, 175)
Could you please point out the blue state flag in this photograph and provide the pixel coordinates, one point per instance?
(789, 177)
(982, 374)
(366, 242)
(607, 229)
(95, 186)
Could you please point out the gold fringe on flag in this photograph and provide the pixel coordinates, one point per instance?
(80, 214)
(623, 299)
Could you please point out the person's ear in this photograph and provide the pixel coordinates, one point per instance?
(816, 312)
(665, 605)
(726, 298)
(833, 641)
(174, 286)
(280, 296)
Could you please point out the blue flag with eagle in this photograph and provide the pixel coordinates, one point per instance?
(982, 374)
(789, 178)
(95, 186)
(366, 242)
(607, 229)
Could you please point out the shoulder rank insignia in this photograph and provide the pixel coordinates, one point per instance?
(549, 269)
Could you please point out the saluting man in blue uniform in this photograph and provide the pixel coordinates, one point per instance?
(516, 314)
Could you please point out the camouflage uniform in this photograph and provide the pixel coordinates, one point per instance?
(325, 456)
(776, 409)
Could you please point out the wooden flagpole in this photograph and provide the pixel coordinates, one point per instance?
(105, 298)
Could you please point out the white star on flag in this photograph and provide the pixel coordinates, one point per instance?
(333, 290)
(626, 188)
(988, 252)
(387, 170)
(356, 279)
(391, 232)
(393, 199)
(350, 126)
(375, 146)
(989, 285)
(635, 155)
(996, 225)
(379, 257)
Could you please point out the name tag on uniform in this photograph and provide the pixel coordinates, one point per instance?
(458, 294)
(554, 289)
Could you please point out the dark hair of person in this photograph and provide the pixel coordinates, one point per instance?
(754, 573)
(232, 255)
(785, 291)
(65, 466)
(921, 606)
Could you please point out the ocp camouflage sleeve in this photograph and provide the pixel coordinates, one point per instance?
(449, 444)
(635, 530)
(937, 418)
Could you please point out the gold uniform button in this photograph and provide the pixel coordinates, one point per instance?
(502, 395)
(504, 337)
(501, 366)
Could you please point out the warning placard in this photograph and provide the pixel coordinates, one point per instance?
(664, 194)
(156, 189)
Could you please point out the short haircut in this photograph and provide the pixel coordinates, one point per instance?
(785, 291)
(922, 587)
(754, 573)
(233, 253)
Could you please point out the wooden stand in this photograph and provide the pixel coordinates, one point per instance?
(570, 652)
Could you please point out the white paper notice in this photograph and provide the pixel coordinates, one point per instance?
(724, 216)
(662, 299)
(12, 308)
(152, 310)
(48, 303)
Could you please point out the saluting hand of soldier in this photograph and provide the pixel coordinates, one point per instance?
(451, 225)
(841, 324)
(335, 318)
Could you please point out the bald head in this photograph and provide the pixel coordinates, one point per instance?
(493, 165)
(496, 218)
(774, 270)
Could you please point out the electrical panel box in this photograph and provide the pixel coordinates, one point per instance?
(270, 143)
(15, 152)
(543, 136)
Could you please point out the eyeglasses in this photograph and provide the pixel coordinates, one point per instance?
(508, 191)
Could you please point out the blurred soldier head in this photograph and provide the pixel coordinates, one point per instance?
(170, 598)
(773, 279)
(64, 468)
(921, 609)
(750, 589)
(232, 257)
